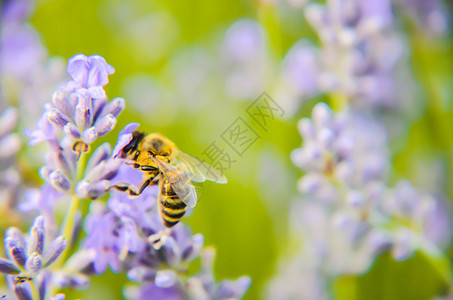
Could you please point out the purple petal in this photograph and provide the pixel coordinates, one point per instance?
(97, 92)
(78, 69)
(124, 138)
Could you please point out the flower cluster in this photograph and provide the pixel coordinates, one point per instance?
(80, 111)
(29, 258)
(359, 51)
(347, 213)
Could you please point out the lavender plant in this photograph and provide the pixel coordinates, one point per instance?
(348, 213)
(360, 48)
(117, 233)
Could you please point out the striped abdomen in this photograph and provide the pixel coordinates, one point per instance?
(172, 209)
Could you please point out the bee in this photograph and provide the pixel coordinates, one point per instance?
(164, 164)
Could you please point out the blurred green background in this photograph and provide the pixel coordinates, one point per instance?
(167, 56)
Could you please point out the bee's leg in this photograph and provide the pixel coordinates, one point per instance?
(124, 187)
(157, 240)
(145, 185)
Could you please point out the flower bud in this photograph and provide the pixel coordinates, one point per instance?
(54, 250)
(37, 235)
(105, 125)
(33, 264)
(83, 115)
(89, 135)
(114, 107)
(57, 118)
(59, 181)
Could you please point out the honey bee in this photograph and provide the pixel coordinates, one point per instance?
(164, 164)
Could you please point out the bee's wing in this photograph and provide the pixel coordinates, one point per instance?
(200, 170)
(180, 182)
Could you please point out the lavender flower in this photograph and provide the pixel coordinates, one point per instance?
(89, 75)
(243, 59)
(82, 112)
(29, 257)
(82, 119)
(42, 200)
(347, 215)
(203, 285)
(349, 146)
(359, 52)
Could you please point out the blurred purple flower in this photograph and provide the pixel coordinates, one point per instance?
(243, 59)
(10, 144)
(43, 200)
(356, 59)
(347, 215)
(101, 228)
(150, 291)
(430, 15)
(349, 146)
(15, 11)
(20, 46)
(203, 286)
(45, 132)
(299, 69)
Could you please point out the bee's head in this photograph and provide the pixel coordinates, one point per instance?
(159, 145)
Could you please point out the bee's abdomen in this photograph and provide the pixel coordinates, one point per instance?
(172, 209)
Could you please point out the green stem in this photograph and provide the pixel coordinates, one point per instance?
(68, 223)
(34, 291)
(440, 263)
(268, 18)
(338, 101)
